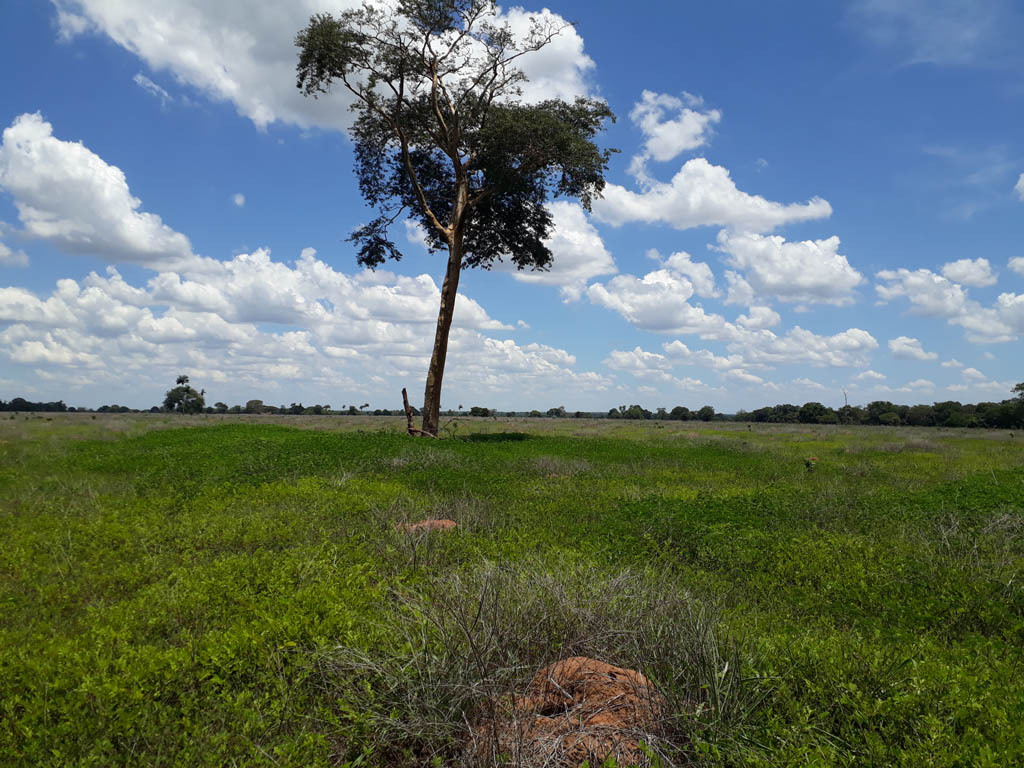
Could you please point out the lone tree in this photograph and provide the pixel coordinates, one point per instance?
(184, 399)
(442, 136)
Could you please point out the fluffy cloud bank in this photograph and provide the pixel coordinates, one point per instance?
(659, 302)
(928, 293)
(936, 295)
(747, 353)
(812, 271)
(701, 194)
(68, 196)
(252, 320)
(655, 368)
(242, 53)
(256, 322)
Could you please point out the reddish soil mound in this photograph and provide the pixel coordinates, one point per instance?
(427, 525)
(576, 710)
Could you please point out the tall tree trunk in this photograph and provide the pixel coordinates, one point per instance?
(450, 288)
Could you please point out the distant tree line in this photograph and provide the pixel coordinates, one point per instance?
(27, 406)
(949, 413)
(186, 403)
(679, 413)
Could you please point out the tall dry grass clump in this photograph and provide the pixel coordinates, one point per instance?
(468, 644)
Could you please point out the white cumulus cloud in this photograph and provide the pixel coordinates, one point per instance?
(935, 295)
(679, 353)
(50, 350)
(238, 199)
(928, 293)
(637, 360)
(811, 271)
(908, 348)
(68, 196)
(657, 368)
(974, 272)
(740, 291)
(699, 195)
(1019, 187)
(744, 377)
(243, 53)
(810, 384)
(658, 301)
(697, 272)
(851, 347)
(255, 324)
(869, 375)
(1010, 310)
(920, 384)
(670, 125)
(560, 69)
(758, 318)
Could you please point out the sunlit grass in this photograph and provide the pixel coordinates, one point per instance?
(171, 587)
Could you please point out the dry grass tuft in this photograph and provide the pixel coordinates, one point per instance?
(993, 548)
(913, 445)
(470, 643)
(558, 466)
(420, 457)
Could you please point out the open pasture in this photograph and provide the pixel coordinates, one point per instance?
(233, 591)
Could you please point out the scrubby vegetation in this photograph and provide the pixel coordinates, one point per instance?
(213, 590)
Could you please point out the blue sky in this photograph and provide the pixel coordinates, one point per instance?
(808, 198)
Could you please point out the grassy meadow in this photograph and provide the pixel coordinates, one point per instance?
(232, 591)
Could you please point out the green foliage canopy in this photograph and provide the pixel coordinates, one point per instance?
(183, 398)
(440, 132)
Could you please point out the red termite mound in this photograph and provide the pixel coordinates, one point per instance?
(575, 710)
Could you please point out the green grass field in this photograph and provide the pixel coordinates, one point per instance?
(232, 591)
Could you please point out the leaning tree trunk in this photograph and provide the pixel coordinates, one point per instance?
(450, 288)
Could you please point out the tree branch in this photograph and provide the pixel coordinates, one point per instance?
(399, 133)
